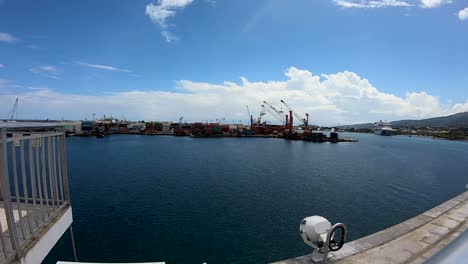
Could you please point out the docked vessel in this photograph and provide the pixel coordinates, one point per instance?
(383, 128)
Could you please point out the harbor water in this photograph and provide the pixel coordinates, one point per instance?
(240, 200)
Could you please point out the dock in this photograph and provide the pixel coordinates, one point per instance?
(413, 241)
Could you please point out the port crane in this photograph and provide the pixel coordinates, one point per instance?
(258, 120)
(13, 111)
(272, 113)
(262, 113)
(303, 120)
(250, 116)
(279, 114)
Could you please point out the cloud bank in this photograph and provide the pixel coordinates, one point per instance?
(330, 99)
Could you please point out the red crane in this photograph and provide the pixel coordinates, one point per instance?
(305, 120)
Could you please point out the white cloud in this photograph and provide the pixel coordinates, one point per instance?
(103, 67)
(391, 3)
(161, 11)
(463, 14)
(434, 3)
(168, 36)
(330, 99)
(8, 38)
(47, 71)
(371, 3)
(2, 66)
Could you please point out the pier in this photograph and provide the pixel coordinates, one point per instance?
(415, 240)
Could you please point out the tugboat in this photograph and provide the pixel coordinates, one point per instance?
(383, 128)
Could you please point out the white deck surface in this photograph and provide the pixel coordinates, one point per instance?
(34, 232)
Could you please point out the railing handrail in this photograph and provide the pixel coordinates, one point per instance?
(30, 135)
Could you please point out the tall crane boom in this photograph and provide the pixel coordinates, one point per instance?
(278, 112)
(250, 116)
(303, 120)
(274, 114)
(294, 112)
(13, 110)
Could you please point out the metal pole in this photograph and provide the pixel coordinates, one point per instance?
(2, 236)
(44, 175)
(15, 182)
(66, 189)
(59, 169)
(25, 186)
(38, 171)
(51, 176)
(75, 257)
(54, 165)
(7, 197)
(32, 176)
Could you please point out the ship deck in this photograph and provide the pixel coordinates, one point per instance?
(30, 223)
(413, 241)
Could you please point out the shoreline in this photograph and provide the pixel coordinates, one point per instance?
(419, 136)
(324, 140)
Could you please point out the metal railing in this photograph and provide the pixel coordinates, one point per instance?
(33, 187)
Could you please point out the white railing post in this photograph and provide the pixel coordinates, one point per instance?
(5, 185)
(63, 157)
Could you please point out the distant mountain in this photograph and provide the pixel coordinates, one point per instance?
(451, 121)
(358, 126)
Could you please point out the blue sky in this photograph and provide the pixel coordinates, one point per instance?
(159, 60)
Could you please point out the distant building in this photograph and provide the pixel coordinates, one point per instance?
(73, 127)
(166, 127)
(86, 126)
(136, 127)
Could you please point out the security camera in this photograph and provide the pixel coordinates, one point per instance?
(318, 233)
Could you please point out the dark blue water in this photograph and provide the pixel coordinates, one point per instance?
(230, 200)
